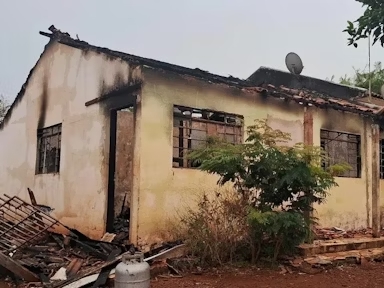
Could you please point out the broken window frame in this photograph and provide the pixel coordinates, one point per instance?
(45, 138)
(352, 140)
(185, 119)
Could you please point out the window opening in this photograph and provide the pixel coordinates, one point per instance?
(342, 148)
(192, 127)
(48, 150)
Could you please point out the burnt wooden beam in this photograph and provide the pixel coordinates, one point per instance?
(105, 271)
(126, 89)
(91, 250)
(325, 105)
(17, 269)
(49, 35)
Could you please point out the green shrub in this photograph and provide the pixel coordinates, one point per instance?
(269, 173)
(224, 229)
(217, 230)
(275, 233)
(276, 187)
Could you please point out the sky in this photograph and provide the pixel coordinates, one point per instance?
(224, 37)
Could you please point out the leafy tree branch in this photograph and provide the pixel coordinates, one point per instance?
(3, 107)
(370, 23)
(361, 78)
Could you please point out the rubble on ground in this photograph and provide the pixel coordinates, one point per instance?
(336, 233)
(39, 251)
(121, 226)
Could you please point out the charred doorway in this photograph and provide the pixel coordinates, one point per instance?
(122, 135)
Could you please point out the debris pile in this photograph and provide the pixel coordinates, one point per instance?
(37, 248)
(121, 226)
(329, 233)
(336, 233)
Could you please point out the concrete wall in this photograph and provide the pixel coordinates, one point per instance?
(349, 205)
(165, 191)
(64, 79)
(382, 190)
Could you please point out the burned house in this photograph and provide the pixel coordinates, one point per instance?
(101, 136)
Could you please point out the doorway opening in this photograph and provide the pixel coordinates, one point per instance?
(122, 134)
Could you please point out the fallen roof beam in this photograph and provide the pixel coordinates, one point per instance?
(127, 89)
(17, 269)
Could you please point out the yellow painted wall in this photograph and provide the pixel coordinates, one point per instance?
(160, 192)
(69, 78)
(165, 191)
(382, 202)
(349, 205)
(382, 191)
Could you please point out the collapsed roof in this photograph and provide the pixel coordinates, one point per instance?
(278, 84)
(265, 75)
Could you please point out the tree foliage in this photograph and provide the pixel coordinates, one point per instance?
(361, 78)
(275, 185)
(3, 107)
(274, 233)
(370, 23)
(269, 172)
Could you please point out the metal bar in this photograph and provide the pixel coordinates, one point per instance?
(15, 217)
(184, 108)
(33, 208)
(30, 217)
(19, 238)
(34, 236)
(5, 245)
(22, 224)
(3, 222)
(178, 118)
(27, 224)
(24, 219)
(205, 140)
(6, 202)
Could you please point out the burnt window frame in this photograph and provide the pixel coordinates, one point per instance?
(350, 136)
(179, 116)
(44, 136)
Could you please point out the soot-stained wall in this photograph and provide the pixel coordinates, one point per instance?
(63, 81)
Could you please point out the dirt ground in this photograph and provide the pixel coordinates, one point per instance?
(369, 275)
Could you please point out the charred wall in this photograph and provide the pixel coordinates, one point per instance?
(60, 85)
(166, 192)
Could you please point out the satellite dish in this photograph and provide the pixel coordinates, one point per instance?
(294, 63)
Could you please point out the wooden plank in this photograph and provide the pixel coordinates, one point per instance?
(74, 267)
(32, 197)
(127, 89)
(108, 237)
(17, 269)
